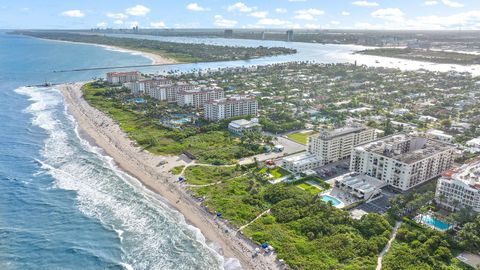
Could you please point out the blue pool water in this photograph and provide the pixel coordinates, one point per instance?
(434, 222)
(333, 200)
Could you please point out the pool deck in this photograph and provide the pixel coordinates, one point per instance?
(340, 195)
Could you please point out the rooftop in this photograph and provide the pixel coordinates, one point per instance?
(302, 159)
(468, 173)
(333, 133)
(405, 148)
(233, 99)
(360, 182)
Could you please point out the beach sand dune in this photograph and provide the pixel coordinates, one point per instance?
(105, 133)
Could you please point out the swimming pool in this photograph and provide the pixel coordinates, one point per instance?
(335, 202)
(181, 121)
(434, 222)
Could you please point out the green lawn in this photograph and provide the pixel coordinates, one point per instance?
(300, 137)
(276, 172)
(309, 188)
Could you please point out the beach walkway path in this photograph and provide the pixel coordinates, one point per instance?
(388, 245)
(259, 216)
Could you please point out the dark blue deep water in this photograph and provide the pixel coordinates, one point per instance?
(63, 205)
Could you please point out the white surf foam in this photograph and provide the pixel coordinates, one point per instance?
(152, 234)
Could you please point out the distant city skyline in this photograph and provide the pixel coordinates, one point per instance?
(310, 14)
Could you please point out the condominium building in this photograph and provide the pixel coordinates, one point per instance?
(337, 144)
(123, 77)
(143, 86)
(233, 106)
(198, 97)
(329, 146)
(460, 187)
(402, 161)
(168, 92)
(300, 163)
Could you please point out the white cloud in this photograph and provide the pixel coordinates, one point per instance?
(430, 3)
(159, 24)
(274, 22)
(118, 16)
(137, 10)
(75, 13)
(222, 22)
(465, 20)
(259, 14)
(308, 14)
(365, 4)
(345, 13)
(102, 24)
(239, 6)
(196, 7)
(390, 14)
(281, 10)
(312, 26)
(118, 22)
(334, 22)
(453, 4)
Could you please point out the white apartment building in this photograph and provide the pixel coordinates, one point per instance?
(143, 86)
(460, 187)
(337, 144)
(439, 135)
(402, 161)
(232, 106)
(301, 163)
(198, 97)
(329, 146)
(240, 126)
(123, 77)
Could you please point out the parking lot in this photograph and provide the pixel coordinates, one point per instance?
(333, 170)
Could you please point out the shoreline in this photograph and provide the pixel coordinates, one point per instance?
(156, 59)
(144, 166)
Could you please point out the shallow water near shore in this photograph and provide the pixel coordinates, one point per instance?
(65, 205)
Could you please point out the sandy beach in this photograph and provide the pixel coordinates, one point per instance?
(156, 59)
(100, 129)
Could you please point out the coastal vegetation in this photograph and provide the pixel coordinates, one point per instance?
(207, 142)
(441, 57)
(305, 231)
(181, 52)
(417, 247)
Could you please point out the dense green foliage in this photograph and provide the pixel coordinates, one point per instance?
(417, 247)
(200, 175)
(469, 235)
(182, 52)
(208, 143)
(309, 234)
(305, 231)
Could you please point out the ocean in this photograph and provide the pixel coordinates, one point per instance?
(63, 203)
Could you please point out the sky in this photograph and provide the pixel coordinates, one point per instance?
(294, 14)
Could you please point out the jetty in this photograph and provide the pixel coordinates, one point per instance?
(111, 67)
